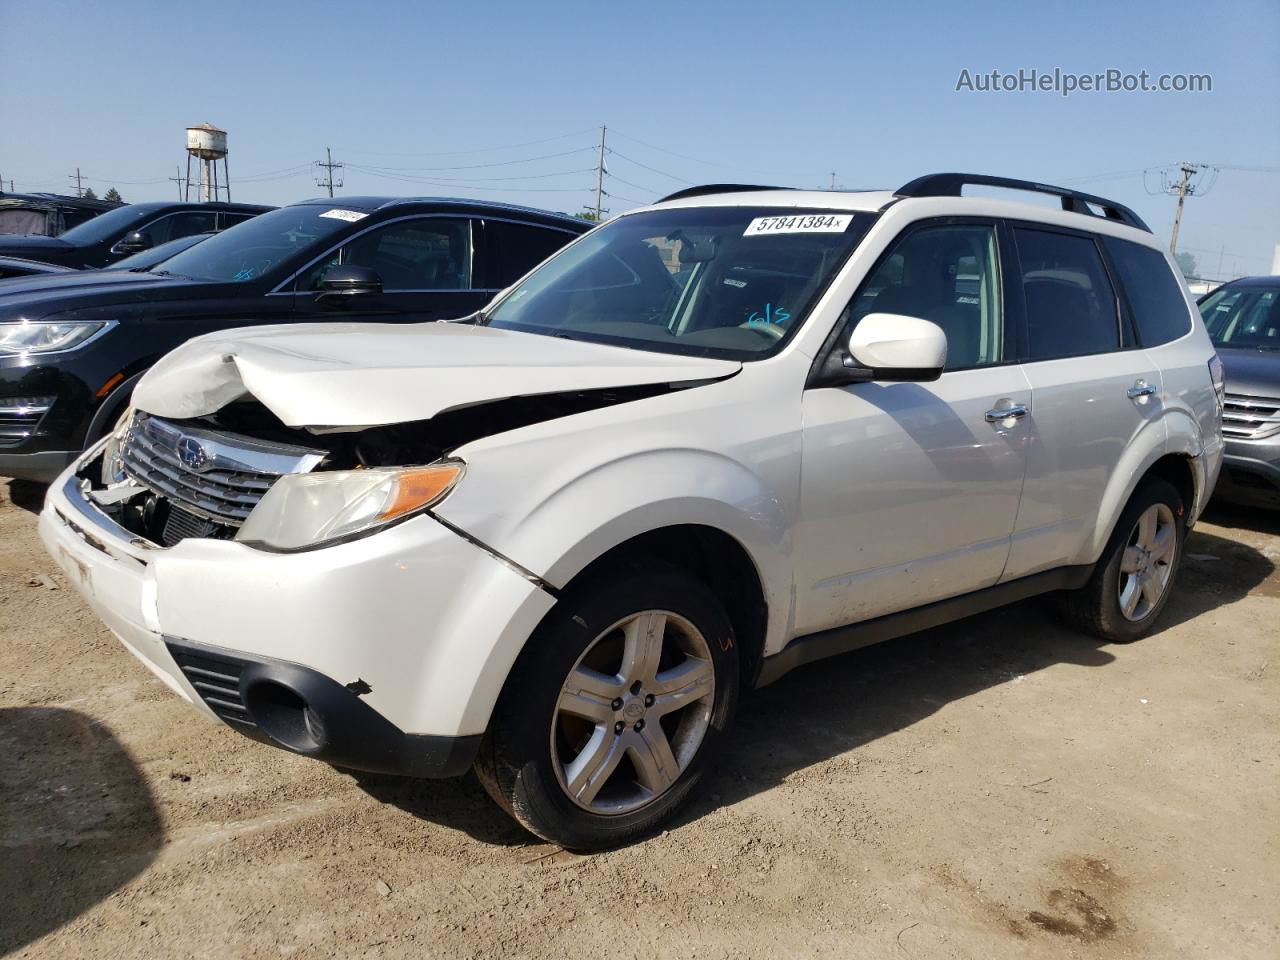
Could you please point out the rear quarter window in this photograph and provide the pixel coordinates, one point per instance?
(1154, 295)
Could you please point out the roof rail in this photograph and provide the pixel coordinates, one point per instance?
(710, 188)
(1073, 201)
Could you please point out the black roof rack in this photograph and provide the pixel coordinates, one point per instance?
(717, 188)
(1073, 201)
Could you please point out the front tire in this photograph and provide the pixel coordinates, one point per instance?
(613, 710)
(1133, 578)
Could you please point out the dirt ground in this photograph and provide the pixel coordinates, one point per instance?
(998, 788)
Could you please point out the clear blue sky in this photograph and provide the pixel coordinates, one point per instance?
(691, 92)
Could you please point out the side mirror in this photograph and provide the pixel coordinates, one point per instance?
(133, 242)
(350, 281)
(888, 347)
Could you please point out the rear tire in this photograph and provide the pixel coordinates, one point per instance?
(612, 712)
(1134, 577)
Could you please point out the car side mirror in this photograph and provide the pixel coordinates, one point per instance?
(888, 347)
(350, 280)
(133, 242)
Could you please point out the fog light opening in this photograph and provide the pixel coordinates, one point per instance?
(285, 717)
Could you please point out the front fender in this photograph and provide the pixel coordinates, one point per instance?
(556, 526)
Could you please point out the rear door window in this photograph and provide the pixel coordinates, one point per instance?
(519, 247)
(1154, 294)
(1070, 305)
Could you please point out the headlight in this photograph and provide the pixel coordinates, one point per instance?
(304, 510)
(41, 336)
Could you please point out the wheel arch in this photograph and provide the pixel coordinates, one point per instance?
(1182, 469)
(716, 559)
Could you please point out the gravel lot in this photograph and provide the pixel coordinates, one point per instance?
(998, 788)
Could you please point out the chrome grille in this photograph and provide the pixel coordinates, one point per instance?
(20, 416)
(217, 476)
(1250, 418)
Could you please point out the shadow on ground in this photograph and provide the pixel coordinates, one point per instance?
(27, 494)
(77, 820)
(824, 710)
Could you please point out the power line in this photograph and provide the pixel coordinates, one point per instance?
(481, 166)
(454, 153)
(649, 168)
(709, 163)
(614, 176)
(376, 171)
(77, 178)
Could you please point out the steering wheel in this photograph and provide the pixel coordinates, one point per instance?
(770, 331)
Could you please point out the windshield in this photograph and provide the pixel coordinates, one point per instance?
(254, 248)
(106, 225)
(1244, 316)
(729, 282)
(158, 254)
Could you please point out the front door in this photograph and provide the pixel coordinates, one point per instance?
(909, 491)
(426, 267)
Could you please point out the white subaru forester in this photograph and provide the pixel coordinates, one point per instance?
(712, 440)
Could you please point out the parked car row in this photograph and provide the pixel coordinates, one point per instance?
(712, 440)
(125, 230)
(73, 347)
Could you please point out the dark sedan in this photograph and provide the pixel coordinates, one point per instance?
(1243, 318)
(118, 233)
(72, 347)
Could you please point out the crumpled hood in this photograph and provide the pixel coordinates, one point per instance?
(367, 374)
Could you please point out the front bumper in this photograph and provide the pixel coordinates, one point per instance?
(415, 625)
(40, 467)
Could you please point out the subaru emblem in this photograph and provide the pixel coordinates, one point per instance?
(192, 454)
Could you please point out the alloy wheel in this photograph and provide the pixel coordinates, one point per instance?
(1147, 563)
(632, 712)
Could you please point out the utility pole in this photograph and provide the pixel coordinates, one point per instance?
(329, 166)
(77, 178)
(1182, 189)
(600, 175)
(833, 179)
(178, 181)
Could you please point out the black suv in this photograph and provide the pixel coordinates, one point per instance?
(73, 346)
(118, 233)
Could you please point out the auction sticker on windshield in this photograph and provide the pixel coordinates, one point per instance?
(351, 216)
(803, 223)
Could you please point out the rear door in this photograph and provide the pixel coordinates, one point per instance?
(1093, 389)
(427, 266)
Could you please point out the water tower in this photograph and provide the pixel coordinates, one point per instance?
(207, 145)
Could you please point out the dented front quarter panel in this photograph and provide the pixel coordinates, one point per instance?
(557, 495)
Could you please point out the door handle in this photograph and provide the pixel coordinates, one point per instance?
(1015, 411)
(1139, 390)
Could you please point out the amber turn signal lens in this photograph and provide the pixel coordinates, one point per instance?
(421, 486)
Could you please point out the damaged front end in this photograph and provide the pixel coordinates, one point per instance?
(242, 474)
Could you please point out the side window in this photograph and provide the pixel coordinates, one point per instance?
(179, 225)
(426, 254)
(949, 275)
(1159, 308)
(1071, 308)
(520, 247)
(1244, 316)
